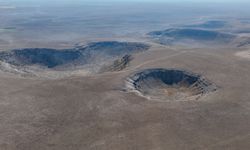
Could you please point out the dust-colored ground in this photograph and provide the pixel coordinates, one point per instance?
(95, 112)
(75, 110)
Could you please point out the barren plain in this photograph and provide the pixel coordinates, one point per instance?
(151, 78)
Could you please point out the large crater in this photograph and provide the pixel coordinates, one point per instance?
(170, 85)
(92, 56)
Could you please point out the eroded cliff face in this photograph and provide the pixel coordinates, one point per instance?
(118, 64)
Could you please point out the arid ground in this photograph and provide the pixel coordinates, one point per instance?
(85, 78)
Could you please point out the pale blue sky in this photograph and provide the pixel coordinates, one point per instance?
(162, 0)
(77, 2)
(200, 1)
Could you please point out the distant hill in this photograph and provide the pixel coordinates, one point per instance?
(177, 34)
(213, 24)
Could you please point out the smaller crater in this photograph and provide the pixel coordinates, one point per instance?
(169, 85)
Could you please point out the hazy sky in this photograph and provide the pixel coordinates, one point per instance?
(200, 1)
(174, 0)
(235, 3)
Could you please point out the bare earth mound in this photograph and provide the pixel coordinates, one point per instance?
(244, 54)
(170, 85)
